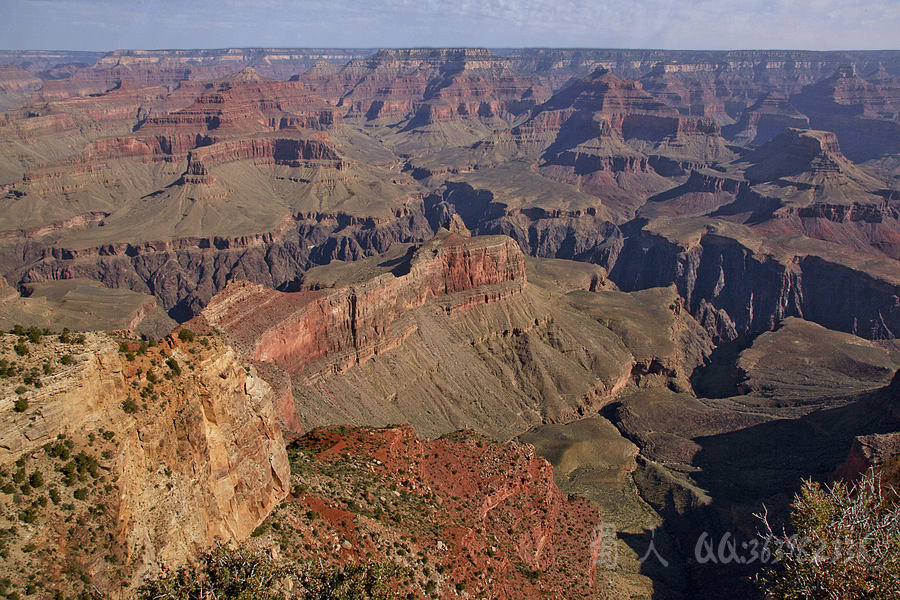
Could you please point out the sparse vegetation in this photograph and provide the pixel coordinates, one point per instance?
(241, 574)
(845, 545)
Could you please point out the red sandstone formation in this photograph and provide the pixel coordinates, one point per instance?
(602, 122)
(168, 68)
(428, 85)
(152, 125)
(16, 82)
(337, 328)
(692, 89)
(246, 101)
(609, 97)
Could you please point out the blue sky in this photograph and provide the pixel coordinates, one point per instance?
(713, 24)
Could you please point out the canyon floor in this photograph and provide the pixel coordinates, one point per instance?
(500, 319)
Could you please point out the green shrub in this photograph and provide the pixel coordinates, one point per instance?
(847, 544)
(66, 359)
(186, 335)
(129, 406)
(36, 480)
(173, 366)
(20, 405)
(80, 494)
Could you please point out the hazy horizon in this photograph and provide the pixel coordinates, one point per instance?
(105, 25)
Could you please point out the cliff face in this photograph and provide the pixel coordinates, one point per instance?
(299, 183)
(609, 137)
(449, 334)
(15, 84)
(427, 86)
(90, 73)
(199, 446)
(729, 287)
(185, 273)
(767, 117)
(733, 292)
(352, 324)
(246, 101)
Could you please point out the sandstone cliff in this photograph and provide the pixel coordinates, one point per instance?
(352, 324)
(172, 449)
(450, 334)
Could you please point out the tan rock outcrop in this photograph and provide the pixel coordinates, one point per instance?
(201, 458)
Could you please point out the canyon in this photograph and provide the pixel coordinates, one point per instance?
(665, 281)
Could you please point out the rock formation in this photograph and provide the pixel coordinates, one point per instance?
(357, 322)
(736, 221)
(182, 434)
(461, 514)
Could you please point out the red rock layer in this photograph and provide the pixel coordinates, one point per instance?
(16, 80)
(607, 108)
(428, 85)
(261, 150)
(222, 115)
(341, 327)
(247, 102)
(605, 95)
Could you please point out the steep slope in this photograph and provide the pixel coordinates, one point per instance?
(168, 68)
(461, 515)
(126, 446)
(450, 335)
(16, 84)
(863, 112)
(765, 119)
(707, 465)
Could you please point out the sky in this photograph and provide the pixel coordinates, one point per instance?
(682, 24)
